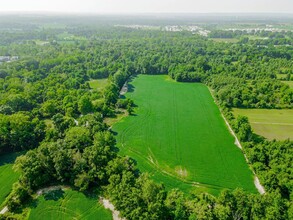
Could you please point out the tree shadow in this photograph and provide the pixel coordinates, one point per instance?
(130, 88)
(257, 138)
(9, 158)
(54, 195)
(34, 203)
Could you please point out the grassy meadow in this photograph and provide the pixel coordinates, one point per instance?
(290, 83)
(98, 84)
(177, 134)
(68, 204)
(270, 123)
(7, 175)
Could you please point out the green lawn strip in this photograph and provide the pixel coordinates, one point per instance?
(270, 123)
(178, 135)
(68, 204)
(7, 175)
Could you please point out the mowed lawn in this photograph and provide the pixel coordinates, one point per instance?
(270, 123)
(7, 175)
(68, 204)
(177, 134)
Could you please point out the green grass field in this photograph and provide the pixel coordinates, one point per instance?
(270, 123)
(7, 175)
(178, 135)
(225, 40)
(98, 83)
(68, 204)
(290, 83)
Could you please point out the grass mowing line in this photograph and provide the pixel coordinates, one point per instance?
(179, 128)
(271, 123)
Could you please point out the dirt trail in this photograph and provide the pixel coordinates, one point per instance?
(124, 88)
(257, 184)
(108, 205)
(4, 210)
(51, 188)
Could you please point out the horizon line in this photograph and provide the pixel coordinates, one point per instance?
(44, 12)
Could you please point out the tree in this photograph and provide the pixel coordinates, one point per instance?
(85, 105)
(78, 138)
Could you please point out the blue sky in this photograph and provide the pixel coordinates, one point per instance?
(145, 6)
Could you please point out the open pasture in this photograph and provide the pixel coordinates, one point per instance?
(270, 123)
(178, 135)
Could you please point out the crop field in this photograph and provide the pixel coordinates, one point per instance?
(7, 175)
(68, 204)
(270, 123)
(177, 134)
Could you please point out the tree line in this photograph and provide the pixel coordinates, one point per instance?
(48, 108)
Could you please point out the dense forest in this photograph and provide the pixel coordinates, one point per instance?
(49, 110)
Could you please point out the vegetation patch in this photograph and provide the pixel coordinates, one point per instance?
(270, 123)
(177, 134)
(290, 83)
(98, 84)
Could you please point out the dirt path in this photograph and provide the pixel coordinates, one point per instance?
(51, 188)
(108, 205)
(4, 210)
(124, 88)
(257, 184)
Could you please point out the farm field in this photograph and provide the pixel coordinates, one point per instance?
(7, 175)
(270, 123)
(68, 204)
(177, 134)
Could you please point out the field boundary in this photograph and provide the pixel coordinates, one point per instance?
(271, 123)
(257, 183)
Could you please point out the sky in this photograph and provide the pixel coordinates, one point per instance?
(149, 6)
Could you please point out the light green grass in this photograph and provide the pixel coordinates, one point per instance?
(98, 84)
(290, 83)
(178, 135)
(7, 175)
(68, 204)
(270, 123)
(225, 40)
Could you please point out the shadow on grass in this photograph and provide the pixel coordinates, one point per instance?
(130, 88)
(54, 195)
(9, 158)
